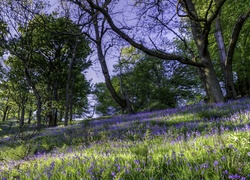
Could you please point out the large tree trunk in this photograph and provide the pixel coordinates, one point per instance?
(200, 34)
(214, 93)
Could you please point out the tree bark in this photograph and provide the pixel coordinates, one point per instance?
(222, 52)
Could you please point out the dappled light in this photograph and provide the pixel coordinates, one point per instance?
(171, 143)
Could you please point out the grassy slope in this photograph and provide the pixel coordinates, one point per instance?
(193, 142)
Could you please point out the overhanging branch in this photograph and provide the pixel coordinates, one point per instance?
(158, 54)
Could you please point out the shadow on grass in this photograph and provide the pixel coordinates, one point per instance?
(184, 124)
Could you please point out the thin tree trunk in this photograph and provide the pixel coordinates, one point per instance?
(5, 112)
(21, 122)
(38, 99)
(71, 99)
(18, 113)
(222, 53)
(54, 109)
(69, 87)
(101, 57)
(30, 116)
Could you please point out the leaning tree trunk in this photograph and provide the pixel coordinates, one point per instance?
(5, 112)
(122, 102)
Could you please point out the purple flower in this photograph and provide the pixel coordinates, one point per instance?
(225, 172)
(236, 176)
(216, 163)
(118, 168)
(137, 161)
(113, 174)
(204, 166)
(223, 158)
(248, 153)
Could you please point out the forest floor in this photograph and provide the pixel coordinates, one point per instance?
(202, 141)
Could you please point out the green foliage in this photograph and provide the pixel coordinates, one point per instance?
(213, 113)
(149, 83)
(50, 42)
(106, 106)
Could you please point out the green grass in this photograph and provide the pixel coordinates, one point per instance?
(181, 144)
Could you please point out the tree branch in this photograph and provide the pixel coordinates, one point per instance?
(161, 55)
(235, 35)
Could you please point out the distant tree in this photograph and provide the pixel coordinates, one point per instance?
(5, 102)
(149, 83)
(17, 15)
(19, 90)
(48, 53)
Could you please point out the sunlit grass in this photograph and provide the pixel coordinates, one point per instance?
(187, 143)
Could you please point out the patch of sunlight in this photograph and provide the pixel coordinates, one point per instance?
(182, 118)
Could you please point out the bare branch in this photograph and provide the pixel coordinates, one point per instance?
(161, 55)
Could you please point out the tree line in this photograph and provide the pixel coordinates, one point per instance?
(166, 52)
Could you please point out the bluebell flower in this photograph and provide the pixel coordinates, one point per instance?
(216, 163)
(113, 174)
